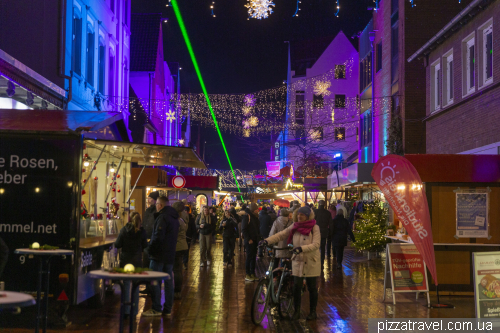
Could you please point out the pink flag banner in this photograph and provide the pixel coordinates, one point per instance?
(400, 182)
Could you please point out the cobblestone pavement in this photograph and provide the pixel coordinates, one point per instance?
(217, 299)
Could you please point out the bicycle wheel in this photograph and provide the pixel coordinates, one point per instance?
(260, 302)
(285, 306)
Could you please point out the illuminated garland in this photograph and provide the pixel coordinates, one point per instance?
(297, 10)
(212, 8)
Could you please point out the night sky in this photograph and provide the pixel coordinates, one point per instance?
(237, 55)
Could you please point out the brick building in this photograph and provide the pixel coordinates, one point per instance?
(462, 80)
(397, 88)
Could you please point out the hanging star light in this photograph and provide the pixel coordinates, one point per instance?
(340, 136)
(321, 88)
(247, 110)
(259, 9)
(254, 121)
(246, 124)
(181, 142)
(315, 135)
(170, 115)
(333, 115)
(246, 133)
(250, 100)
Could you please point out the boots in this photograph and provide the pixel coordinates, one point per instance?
(296, 314)
(312, 315)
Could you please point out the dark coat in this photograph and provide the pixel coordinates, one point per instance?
(132, 244)
(148, 220)
(164, 239)
(191, 232)
(339, 229)
(231, 228)
(250, 227)
(323, 220)
(209, 224)
(265, 223)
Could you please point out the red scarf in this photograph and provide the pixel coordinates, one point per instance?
(304, 228)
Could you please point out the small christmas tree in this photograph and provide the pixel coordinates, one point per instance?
(371, 228)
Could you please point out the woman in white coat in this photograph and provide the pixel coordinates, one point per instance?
(305, 236)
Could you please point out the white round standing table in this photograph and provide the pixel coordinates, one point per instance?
(137, 280)
(12, 299)
(44, 257)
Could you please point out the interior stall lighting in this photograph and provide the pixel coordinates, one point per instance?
(86, 163)
(37, 190)
(2, 191)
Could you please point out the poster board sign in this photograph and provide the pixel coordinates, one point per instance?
(273, 168)
(407, 270)
(472, 214)
(487, 284)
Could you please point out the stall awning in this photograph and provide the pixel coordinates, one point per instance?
(359, 173)
(150, 155)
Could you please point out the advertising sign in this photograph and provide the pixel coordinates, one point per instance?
(487, 284)
(39, 191)
(407, 270)
(404, 191)
(273, 168)
(472, 215)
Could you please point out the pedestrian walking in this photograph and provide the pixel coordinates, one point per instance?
(282, 222)
(265, 225)
(229, 229)
(251, 236)
(323, 220)
(132, 241)
(181, 248)
(162, 256)
(205, 224)
(305, 236)
(333, 211)
(241, 214)
(148, 224)
(191, 235)
(340, 229)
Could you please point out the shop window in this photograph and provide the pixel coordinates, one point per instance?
(76, 45)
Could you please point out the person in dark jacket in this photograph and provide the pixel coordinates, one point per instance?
(241, 216)
(265, 225)
(4, 255)
(229, 228)
(132, 241)
(251, 235)
(148, 222)
(333, 212)
(205, 223)
(323, 220)
(162, 255)
(339, 230)
(191, 235)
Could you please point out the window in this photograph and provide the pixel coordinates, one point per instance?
(366, 128)
(395, 53)
(365, 72)
(357, 134)
(448, 79)
(126, 18)
(112, 5)
(436, 86)
(340, 134)
(90, 55)
(101, 67)
(76, 46)
(111, 75)
(468, 62)
(394, 6)
(486, 65)
(125, 78)
(318, 102)
(379, 57)
(339, 101)
(299, 107)
(340, 71)
(300, 136)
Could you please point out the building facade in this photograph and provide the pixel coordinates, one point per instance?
(462, 83)
(392, 90)
(322, 92)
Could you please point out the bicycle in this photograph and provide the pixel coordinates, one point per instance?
(281, 295)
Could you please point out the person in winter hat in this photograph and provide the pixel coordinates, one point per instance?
(305, 236)
(282, 222)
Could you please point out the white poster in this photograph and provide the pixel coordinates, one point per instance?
(472, 215)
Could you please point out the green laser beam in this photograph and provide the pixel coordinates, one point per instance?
(200, 78)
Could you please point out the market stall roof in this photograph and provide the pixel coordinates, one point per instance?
(150, 155)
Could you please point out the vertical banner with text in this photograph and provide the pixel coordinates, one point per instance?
(403, 189)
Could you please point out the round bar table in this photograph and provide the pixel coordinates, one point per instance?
(150, 277)
(12, 299)
(44, 257)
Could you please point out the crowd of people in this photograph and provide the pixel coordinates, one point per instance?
(162, 239)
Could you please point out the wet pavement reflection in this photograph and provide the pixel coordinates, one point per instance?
(217, 299)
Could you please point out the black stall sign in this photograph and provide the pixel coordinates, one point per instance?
(39, 187)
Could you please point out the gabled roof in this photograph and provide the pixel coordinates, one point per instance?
(144, 41)
(305, 53)
(473, 9)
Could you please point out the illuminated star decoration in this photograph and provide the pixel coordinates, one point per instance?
(170, 115)
(250, 100)
(297, 10)
(321, 88)
(340, 136)
(254, 121)
(246, 124)
(259, 9)
(246, 133)
(315, 135)
(181, 142)
(246, 110)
